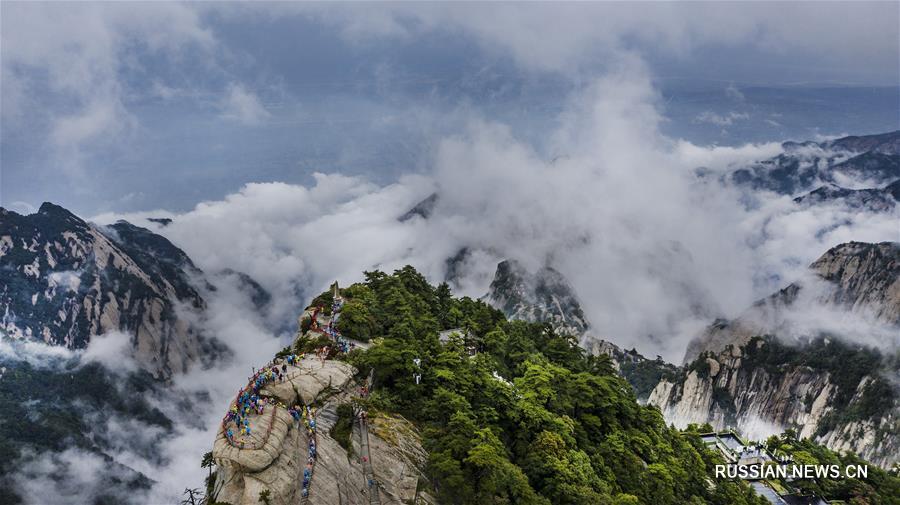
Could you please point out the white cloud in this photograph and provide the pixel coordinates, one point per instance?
(112, 350)
(37, 354)
(721, 158)
(70, 476)
(732, 91)
(79, 54)
(243, 105)
(721, 119)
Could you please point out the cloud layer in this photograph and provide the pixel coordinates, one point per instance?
(653, 250)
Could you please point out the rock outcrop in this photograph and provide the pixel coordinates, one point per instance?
(866, 277)
(64, 280)
(274, 456)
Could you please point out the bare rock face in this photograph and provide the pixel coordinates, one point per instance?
(64, 281)
(865, 276)
(275, 462)
(760, 400)
(544, 296)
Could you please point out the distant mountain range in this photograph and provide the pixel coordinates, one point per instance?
(822, 171)
(873, 199)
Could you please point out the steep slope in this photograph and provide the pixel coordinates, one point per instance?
(833, 392)
(761, 373)
(307, 459)
(866, 277)
(64, 281)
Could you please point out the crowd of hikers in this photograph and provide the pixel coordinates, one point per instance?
(249, 401)
(307, 415)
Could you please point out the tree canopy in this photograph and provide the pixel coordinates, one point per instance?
(511, 412)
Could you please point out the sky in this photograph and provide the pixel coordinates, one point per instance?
(139, 106)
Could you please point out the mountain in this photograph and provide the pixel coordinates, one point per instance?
(866, 277)
(522, 416)
(273, 459)
(763, 373)
(65, 280)
(547, 297)
(885, 143)
(422, 209)
(543, 296)
(873, 160)
(73, 412)
(872, 199)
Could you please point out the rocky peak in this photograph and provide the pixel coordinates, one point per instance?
(55, 211)
(545, 295)
(832, 392)
(756, 374)
(422, 209)
(308, 443)
(865, 277)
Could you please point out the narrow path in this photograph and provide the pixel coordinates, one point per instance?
(321, 324)
(368, 472)
(318, 327)
(305, 490)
